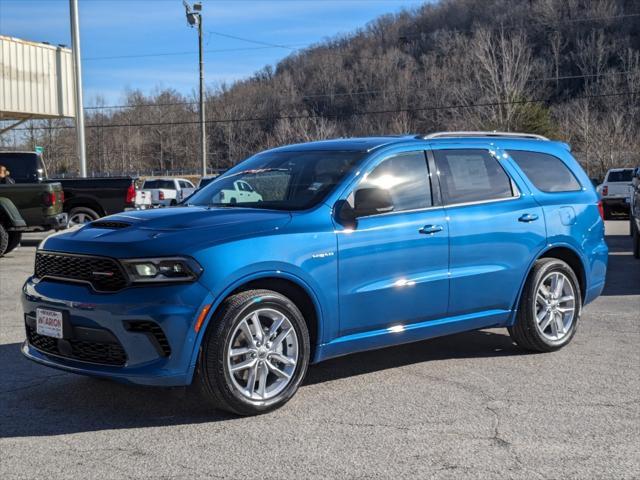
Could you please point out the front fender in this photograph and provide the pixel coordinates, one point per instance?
(238, 280)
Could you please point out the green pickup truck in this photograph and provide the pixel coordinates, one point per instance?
(31, 207)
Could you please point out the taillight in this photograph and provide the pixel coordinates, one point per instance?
(161, 195)
(131, 195)
(601, 209)
(605, 190)
(48, 199)
(61, 196)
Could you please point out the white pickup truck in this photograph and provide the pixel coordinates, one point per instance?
(616, 190)
(168, 191)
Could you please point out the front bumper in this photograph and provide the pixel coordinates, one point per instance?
(94, 322)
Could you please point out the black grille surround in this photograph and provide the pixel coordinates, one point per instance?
(154, 332)
(104, 353)
(102, 273)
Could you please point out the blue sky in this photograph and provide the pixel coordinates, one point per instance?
(137, 30)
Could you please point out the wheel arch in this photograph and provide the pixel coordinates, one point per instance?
(287, 284)
(86, 202)
(567, 254)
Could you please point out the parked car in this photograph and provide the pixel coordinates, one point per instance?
(616, 190)
(204, 181)
(86, 199)
(168, 191)
(634, 215)
(11, 226)
(357, 244)
(29, 208)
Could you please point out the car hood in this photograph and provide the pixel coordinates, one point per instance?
(165, 231)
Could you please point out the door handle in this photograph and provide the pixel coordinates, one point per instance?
(430, 229)
(528, 217)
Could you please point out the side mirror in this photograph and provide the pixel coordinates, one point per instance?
(372, 201)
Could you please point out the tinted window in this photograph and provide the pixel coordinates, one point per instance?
(164, 184)
(406, 177)
(280, 180)
(23, 167)
(620, 176)
(471, 176)
(546, 172)
(184, 184)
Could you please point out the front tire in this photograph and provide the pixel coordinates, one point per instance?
(549, 309)
(255, 353)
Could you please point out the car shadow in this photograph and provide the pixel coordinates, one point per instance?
(39, 401)
(623, 271)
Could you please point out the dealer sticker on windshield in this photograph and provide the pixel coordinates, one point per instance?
(49, 323)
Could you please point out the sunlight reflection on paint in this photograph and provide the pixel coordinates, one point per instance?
(396, 329)
(403, 282)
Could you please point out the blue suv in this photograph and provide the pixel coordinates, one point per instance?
(349, 245)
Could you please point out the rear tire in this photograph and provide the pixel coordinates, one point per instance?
(254, 354)
(14, 241)
(82, 215)
(4, 240)
(635, 239)
(549, 308)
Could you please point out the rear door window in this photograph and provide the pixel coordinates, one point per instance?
(546, 172)
(471, 175)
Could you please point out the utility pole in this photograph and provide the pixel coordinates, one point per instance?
(194, 17)
(77, 63)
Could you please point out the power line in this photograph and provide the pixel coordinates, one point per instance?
(359, 92)
(527, 29)
(337, 115)
(170, 54)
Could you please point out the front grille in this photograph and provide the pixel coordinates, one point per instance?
(155, 334)
(109, 224)
(104, 274)
(95, 352)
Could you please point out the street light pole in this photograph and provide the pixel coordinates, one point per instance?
(203, 132)
(77, 63)
(194, 17)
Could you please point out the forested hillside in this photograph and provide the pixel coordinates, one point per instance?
(569, 69)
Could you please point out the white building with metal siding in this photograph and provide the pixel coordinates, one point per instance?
(36, 80)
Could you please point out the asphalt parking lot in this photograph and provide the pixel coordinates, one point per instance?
(467, 406)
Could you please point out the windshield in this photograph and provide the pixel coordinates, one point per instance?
(279, 180)
(620, 176)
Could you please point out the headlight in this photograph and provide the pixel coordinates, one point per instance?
(162, 270)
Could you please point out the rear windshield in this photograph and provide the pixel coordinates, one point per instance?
(23, 167)
(164, 184)
(620, 176)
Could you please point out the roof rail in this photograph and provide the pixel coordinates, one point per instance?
(530, 136)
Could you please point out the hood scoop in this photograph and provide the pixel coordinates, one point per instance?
(109, 224)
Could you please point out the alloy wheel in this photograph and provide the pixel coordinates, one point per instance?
(555, 306)
(262, 355)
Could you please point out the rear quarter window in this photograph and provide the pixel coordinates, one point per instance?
(546, 172)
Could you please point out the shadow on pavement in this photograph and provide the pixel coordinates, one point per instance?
(39, 401)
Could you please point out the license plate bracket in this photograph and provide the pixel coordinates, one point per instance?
(50, 323)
